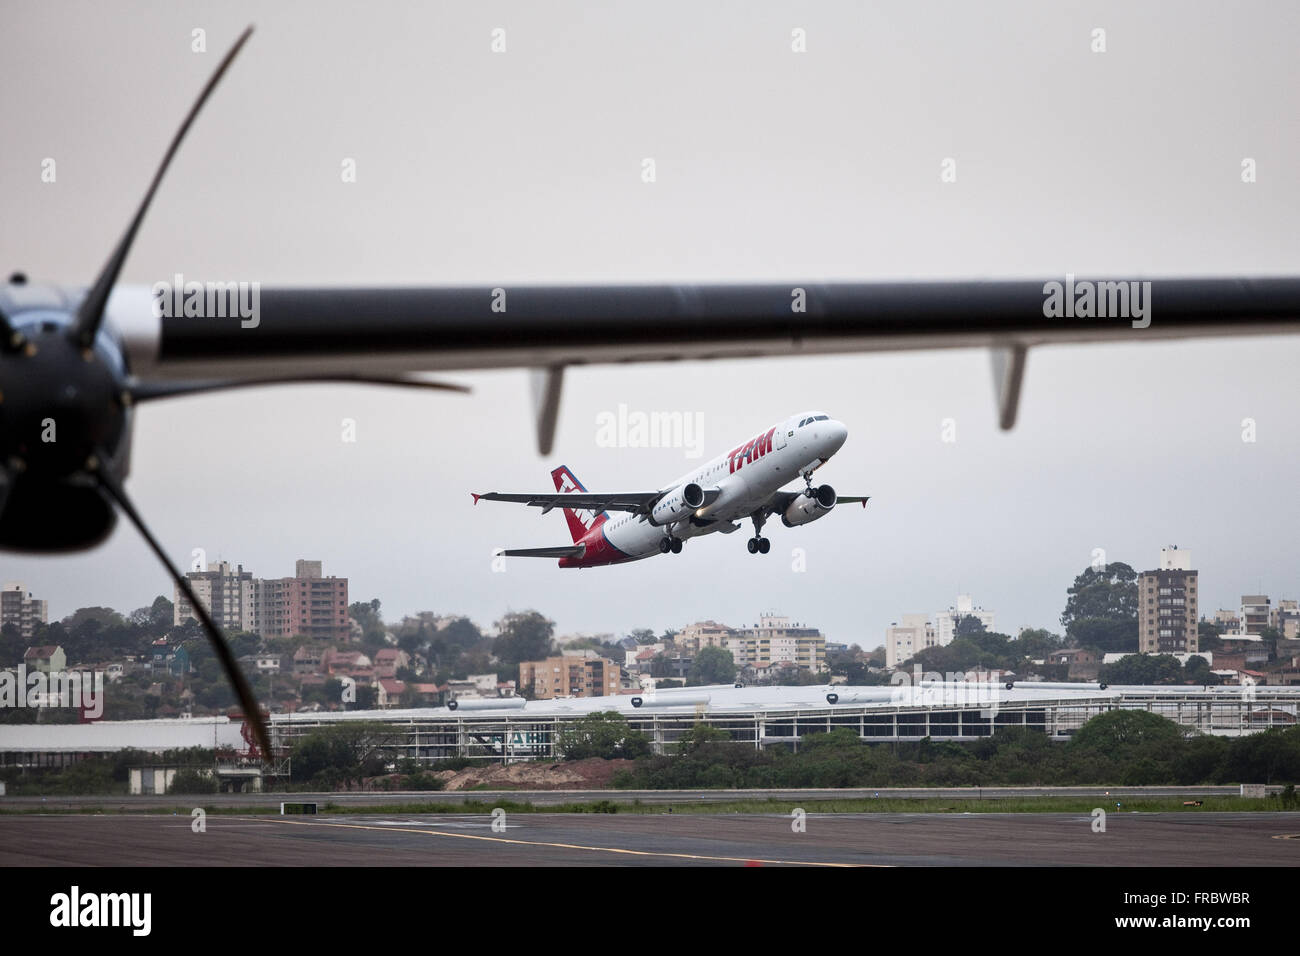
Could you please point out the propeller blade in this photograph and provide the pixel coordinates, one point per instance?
(91, 312)
(149, 391)
(252, 711)
(9, 337)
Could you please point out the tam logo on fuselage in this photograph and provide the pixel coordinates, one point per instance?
(751, 451)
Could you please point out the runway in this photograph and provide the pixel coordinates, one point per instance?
(552, 798)
(658, 839)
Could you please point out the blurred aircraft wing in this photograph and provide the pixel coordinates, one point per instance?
(547, 328)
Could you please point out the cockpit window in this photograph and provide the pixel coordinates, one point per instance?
(820, 418)
(803, 423)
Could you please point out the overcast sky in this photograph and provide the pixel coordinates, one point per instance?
(526, 165)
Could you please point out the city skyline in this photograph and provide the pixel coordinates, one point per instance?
(1207, 610)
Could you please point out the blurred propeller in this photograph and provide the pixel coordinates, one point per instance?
(91, 312)
(82, 332)
(252, 710)
(149, 391)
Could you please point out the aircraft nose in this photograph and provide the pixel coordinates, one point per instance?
(836, 435)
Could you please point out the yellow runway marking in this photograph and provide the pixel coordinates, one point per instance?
(1287, 836)
(571, 846)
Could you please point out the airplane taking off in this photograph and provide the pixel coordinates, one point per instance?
(744, 483)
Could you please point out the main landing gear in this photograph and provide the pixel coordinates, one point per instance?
(758, 544)
(670, 544)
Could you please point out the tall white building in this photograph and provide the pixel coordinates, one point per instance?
(776, 640)
(945, 622)
(19, 608)
(902, 641)
(227, 593)
(1256, 613)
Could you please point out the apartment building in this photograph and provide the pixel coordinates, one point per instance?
(775, 640)
(225, 591)
(19, 609)
(572, 674)
(1167, 602)
(903, 641)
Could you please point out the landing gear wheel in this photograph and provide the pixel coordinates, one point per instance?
(752, 544)
(665, 545)
(677, 545)
(764, 546)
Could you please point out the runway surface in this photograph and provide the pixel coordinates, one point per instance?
(545, 798)
(658, 839)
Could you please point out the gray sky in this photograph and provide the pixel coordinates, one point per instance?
(526, 166)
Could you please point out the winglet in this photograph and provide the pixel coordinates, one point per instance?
(476, 497)
(1008, 374)
(547, 383)
(865, 500)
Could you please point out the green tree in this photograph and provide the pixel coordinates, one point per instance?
(366, 614)
(343, 752)
(1118, 732)
(1209, 636)
(1144, 669)
(713, 665)
(522, 636)
(189, 780)
(1108, 593)
(604, 734)
(1107, 635)
(701, 735)
(1272, 756)
(244, 643)
(1037, 643)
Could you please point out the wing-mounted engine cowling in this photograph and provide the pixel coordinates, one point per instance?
(809, 506)
(677, 504)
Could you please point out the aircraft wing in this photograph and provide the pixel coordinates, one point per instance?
(782, 500)
(637, 502)
(395, 331)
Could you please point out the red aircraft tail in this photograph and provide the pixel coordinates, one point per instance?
(580, 522)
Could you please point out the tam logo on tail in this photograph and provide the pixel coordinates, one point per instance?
(580, 522)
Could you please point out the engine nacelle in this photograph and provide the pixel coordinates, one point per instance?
(679, 503)
(808, 507)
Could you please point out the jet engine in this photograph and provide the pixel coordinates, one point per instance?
(809, 506)
(677, 504)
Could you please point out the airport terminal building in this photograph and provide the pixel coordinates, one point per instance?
(512, 729)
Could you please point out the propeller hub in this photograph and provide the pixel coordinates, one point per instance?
(59, 402)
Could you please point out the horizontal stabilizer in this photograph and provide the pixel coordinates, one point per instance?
(571, 551)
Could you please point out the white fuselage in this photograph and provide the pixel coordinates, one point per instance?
(746, 477)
